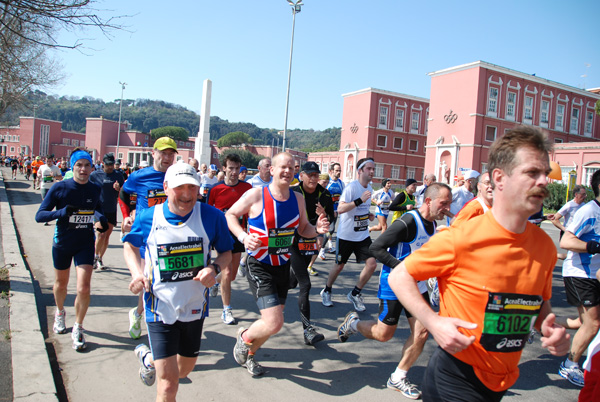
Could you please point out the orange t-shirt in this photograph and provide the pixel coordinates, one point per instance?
(35, 165)
(494, 278)
(471, 209)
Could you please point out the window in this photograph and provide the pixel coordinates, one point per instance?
(215, 155)
(378, 170)
(410, 173)
(558, 140)
(528, 112)
(399, 120)
(397, 143)
(66, 141)
(511, 101)
(413, 145)
(560, 117)
(82, 143)
(574, 121)
(75, 143)
(383, 115)
(381, 140)
(325, 167)
(545, 107)
(493, 101)
(589, 118)
(588, 174)
(187, 144)
(395, 172)
(12, 149)
(484, 168)
(490, 133)
(120, 156)
(414, 125)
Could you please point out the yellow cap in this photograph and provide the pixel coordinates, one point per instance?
(165, 143)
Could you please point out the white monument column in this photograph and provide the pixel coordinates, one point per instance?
(202, 146)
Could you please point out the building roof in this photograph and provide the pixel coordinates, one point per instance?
(384, 92)
(504, 70)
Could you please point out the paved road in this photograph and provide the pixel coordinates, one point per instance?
(356, 370)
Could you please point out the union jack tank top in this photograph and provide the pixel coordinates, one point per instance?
(275, 226)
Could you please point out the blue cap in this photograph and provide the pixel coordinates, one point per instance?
(243, 169)
(214, 167)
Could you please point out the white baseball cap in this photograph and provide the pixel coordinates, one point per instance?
(181, 173)
(472, 174)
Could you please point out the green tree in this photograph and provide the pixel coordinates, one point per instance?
(249, 159)
(234, 138)
(598, 107)
(177, 133)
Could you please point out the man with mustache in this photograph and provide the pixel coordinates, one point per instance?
(494, 283)
(579, 275)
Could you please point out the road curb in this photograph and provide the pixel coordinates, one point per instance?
(32, 375)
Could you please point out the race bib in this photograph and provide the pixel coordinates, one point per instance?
(48, 179)
(335, 197)
(361, 223)
(132, 199)
(156, 197)
(307, 246)
(180, 261)
(280, 241)
(82, 219)
(508, 320)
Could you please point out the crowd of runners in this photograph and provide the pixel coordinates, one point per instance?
(480, 284)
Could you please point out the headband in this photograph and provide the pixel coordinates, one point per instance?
(364, 163)
(77, 155)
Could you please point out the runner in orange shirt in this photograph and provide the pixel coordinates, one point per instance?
(495, 285)
(35, 165)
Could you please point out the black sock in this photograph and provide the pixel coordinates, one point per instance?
(356, 291)
(328, 289)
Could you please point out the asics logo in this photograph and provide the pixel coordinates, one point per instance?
(509, 343)
(182, 275)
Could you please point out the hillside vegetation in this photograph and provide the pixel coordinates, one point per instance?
(145, 115)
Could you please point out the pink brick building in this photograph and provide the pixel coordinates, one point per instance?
(473, 104)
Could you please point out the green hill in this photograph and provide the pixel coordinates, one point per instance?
(145, 115)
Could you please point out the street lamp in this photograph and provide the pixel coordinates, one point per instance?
(120, 110)
(296, 8)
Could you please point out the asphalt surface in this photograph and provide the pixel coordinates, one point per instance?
(353, 371)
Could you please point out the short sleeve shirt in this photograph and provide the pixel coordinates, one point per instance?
(354, 224)
(586, 226)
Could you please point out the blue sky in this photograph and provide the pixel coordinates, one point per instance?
(339, 47)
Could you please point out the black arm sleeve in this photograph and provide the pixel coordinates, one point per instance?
(327, 203)
(395, 205)
(403, 230)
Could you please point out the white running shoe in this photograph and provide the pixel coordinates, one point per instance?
(59, 322)
(345, 329)
(326, 298)
(78, 336)
(227, 316)
(409, 390)
(147, 373)
(573, 374)
(357, 301)
(135, 324)
(214, 290)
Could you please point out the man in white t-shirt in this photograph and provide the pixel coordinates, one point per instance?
(581, 239)
(263, 178)
(568, 212)
(463, 194)
(208, 181)
(353, 233)
(47, 175)
(420, 191)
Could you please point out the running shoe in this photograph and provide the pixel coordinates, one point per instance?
(135, 324)
(95, 264)
(573, 374)
(411, 391)
(359, 304)
(434, 296)
(241, 348)
(147, 373)
(322, 254)
(227, 316)
(59, 322)
(101, 265)
(326, 298)
(311, 336)
(312, 271)
(345, 330)
(78, 336)
(254, 367)
(242, 269)
(214, 290)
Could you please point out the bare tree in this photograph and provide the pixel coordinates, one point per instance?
(28, 30)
